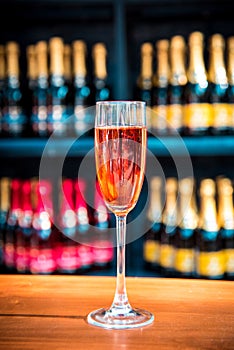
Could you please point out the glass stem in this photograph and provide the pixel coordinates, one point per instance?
(121, 300)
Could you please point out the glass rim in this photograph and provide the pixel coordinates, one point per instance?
(118, 102)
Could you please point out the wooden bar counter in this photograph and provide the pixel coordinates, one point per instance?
(49, 312)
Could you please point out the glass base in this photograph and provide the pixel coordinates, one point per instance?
(110, 319)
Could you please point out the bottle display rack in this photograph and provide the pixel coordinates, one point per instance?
(123, 26)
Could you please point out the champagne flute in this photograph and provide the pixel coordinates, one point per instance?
(120, 154)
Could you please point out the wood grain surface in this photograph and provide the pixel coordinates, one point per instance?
(49, 312)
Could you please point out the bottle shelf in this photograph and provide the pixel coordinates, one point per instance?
(32, 147)
(159, 146)
(196, 146)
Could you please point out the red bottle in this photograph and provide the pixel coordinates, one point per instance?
(42, 252)
(68, 260)
(4, 211)
(24, 230)
(14, 215)
(84, 248)
(102, 246)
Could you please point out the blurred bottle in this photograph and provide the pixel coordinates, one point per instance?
(230, 74)
(221, 121)
(198, 112)
(84, 248)
(177, 83)
(24, 230)
(67, 61)
(145, 79)
(4, 212)
(103, 250)
(209, 256)
(67, 258)
(101, 88)
(169, 228)
(31, 78)
(39, 115)
(160, 88)
(226, 223)
(58, 90)
(2, 83)
(151, 248)
(14, 115)
(82, 90)
(42, 251)
(14, 216)
(186, 233)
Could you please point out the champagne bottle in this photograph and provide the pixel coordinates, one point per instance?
(145, 78)
(102, 244)
(39, 116)
(101, 87)
(14, 115)
(177, 83)
(58, 90)
(42, 250)
(67, 61)
(169, 228)
(209, 256)
(186, 233)
(31, 77)
(67, 258)
(82, 90)
(160, 88)
(84, 248)
(226, 223)
(221, 121)
(4, 212)
(2, 83)
(198, 112)
(24, 230)
(151, 248)
(230, 74)
(14, 215)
